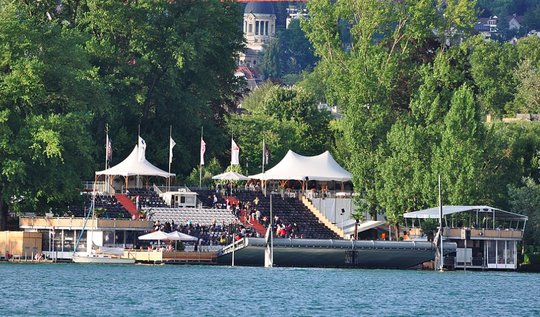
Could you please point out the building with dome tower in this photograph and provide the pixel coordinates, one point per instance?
(259, 26)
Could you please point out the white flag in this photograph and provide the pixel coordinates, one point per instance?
(235, 153)
(203, 149)
(171, 145)
(142, 149)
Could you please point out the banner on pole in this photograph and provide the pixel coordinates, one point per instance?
(235, 153)
(171, 145)
(203, 149)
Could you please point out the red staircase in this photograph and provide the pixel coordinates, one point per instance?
(244, 219)
(254, 224)
(128, 204)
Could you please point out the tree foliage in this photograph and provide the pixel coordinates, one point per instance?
(525, 199)
(69, 68)
(286, 118)
(47, 91)
(374, 78)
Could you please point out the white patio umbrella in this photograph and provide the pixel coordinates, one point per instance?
(231, 176)
(179, 236)
(156, 235)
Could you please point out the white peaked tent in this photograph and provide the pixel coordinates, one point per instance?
(135, 164)
(294, 166)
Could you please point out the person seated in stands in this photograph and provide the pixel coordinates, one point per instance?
(405, 235)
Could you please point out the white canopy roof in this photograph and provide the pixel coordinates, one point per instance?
(321, 167)
(176, 235)
(156, 235)
(370, 224)
(232, 176)
(449, 210)
(135, 164)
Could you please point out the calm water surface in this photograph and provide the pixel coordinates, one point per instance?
(136, 290)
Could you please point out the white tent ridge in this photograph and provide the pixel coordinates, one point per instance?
(294, 166)
(135, 164)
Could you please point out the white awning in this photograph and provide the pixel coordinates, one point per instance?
(449, 210)
(370, 224)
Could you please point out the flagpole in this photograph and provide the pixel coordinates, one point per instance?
(230, 186)
(441, 229)
(200, 161)
(170, 159)
(138, 156)
(263, 154)
(106, 155)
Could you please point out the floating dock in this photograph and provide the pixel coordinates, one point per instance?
(333, 253)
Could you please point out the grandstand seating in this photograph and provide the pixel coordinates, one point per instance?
(147, 197)
(203, 217)
(289, 211)
(111, 207)
(206, 197)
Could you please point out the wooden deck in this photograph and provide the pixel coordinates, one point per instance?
(172, 257)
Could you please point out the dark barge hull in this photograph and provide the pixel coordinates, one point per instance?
(334, 253)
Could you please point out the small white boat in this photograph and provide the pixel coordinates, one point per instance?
(100, 259)
(103, 255)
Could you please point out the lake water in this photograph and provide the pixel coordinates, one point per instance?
(138, 290)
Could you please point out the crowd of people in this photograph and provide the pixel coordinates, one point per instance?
(209, 235)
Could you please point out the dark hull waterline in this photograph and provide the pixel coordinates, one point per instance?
(335, 253)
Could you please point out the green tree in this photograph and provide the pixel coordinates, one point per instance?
(47, 95)
(525, 200)
(166, 63)
(287, 118)
(212, 168)
(492, 69)
(373, 78)
(270, 66)
(459, 158)
(532, 18)
(296, 52)
(404, 171)
(528, 89)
